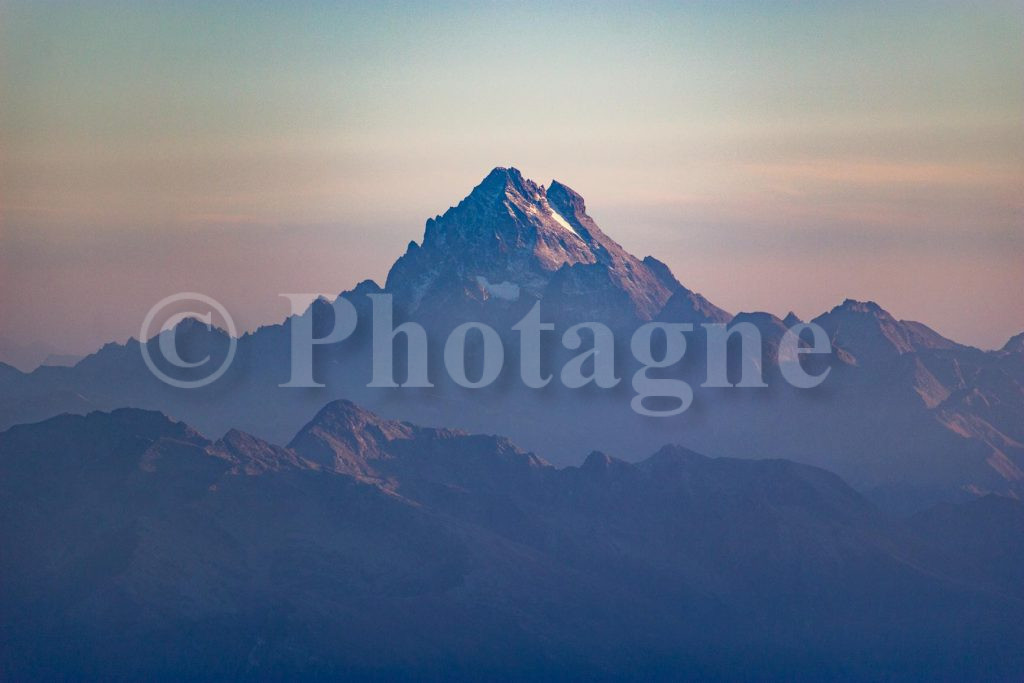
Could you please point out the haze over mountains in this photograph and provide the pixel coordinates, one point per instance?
(867, 528)
(28, 357)
(370, 548)
(906, 415)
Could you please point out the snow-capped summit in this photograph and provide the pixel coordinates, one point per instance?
(512, 239)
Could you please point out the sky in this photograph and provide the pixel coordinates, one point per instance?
(778, 156)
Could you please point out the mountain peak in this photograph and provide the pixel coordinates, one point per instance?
(345, 437)
(855, 306)
(343, 414)
(866, 329)
(672, 456)
(598, 460)
(505, 185)
(566, 200)
(511, 234)
(503, 176)
(1016, 344)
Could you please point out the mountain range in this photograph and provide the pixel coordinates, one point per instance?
(869, 528)
(906, 416)
(368, 548)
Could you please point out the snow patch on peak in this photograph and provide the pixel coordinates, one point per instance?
(508, 291)
(561, 221)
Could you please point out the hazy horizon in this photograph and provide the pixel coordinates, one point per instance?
(776, 157)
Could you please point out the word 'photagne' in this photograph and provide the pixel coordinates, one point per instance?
(654, 345)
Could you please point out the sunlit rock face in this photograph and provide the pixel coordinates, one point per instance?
(514, 240)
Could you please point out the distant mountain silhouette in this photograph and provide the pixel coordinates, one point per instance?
(29, 356)
(136, 548)
(906, 415)
(1015, 344)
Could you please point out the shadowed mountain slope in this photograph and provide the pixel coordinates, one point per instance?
(133, 547)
